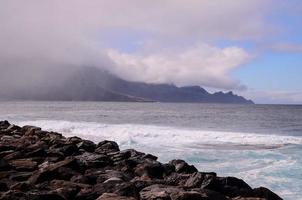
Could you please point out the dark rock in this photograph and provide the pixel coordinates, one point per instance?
(20, 176)
(25, 164)
(4, 165)
(264, 193)
(107, 146)
(22, 186)
(151, 169)
(90, 160)
(229, 186)
(197, 179)
(187, 195)
(183, 167)
(112, 196)
(50, 171)
(160, 192)
(87, 146)
(3, 187)
(149, 156)
(14, 195)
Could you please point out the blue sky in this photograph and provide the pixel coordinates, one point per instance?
(252, 47)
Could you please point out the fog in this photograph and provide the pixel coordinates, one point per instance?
(43, 42)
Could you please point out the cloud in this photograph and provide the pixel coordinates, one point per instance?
(37, 36)
(199, 65)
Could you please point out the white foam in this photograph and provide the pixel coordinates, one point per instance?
(162, 136)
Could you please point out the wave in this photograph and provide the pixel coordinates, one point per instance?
(131, 134)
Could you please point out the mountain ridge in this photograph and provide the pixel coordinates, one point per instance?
(94, 84)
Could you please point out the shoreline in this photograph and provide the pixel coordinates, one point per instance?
(37, 164)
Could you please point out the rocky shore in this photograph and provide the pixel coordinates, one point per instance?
(41, 165)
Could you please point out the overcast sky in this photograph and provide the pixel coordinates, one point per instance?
(253, 47)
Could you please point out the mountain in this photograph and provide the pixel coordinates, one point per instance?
(93, 84)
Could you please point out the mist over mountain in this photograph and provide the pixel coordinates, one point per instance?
(94, 84)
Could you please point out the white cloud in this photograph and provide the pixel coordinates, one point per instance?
(200, 65)
(52, 33)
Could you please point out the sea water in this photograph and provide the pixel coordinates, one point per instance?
(261, 144)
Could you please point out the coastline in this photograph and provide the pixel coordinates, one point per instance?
(37, 164)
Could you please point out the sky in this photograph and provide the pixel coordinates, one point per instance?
(252, 47)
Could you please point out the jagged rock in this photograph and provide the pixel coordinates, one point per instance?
(151, 169)
(90, 160)
(108, 145)
(182, 167)
(229, 186)
(87, 145)
(25, 164)
(112, 196)
(197, 179)
(50, 171)
(160, 192)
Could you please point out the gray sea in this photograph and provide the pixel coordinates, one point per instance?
(260, 143)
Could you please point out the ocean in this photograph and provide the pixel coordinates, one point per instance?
(261, 144)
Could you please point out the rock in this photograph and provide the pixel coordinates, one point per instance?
(90, 160)
(50, 171)
(197, 179)
(265, 193)
(69, 150)
(112, 196)
(229, 186)
(187, 195)
(114, 180)
(3, 187)
(4, 165)
(46, 196)
(14, 195)
(25, 164)
(108, 146)
(20, 176)
(151, 169)
(22, 186)
(13, 127)
(87, 146)
(183, 167)
(160, 192)
(248, 198)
